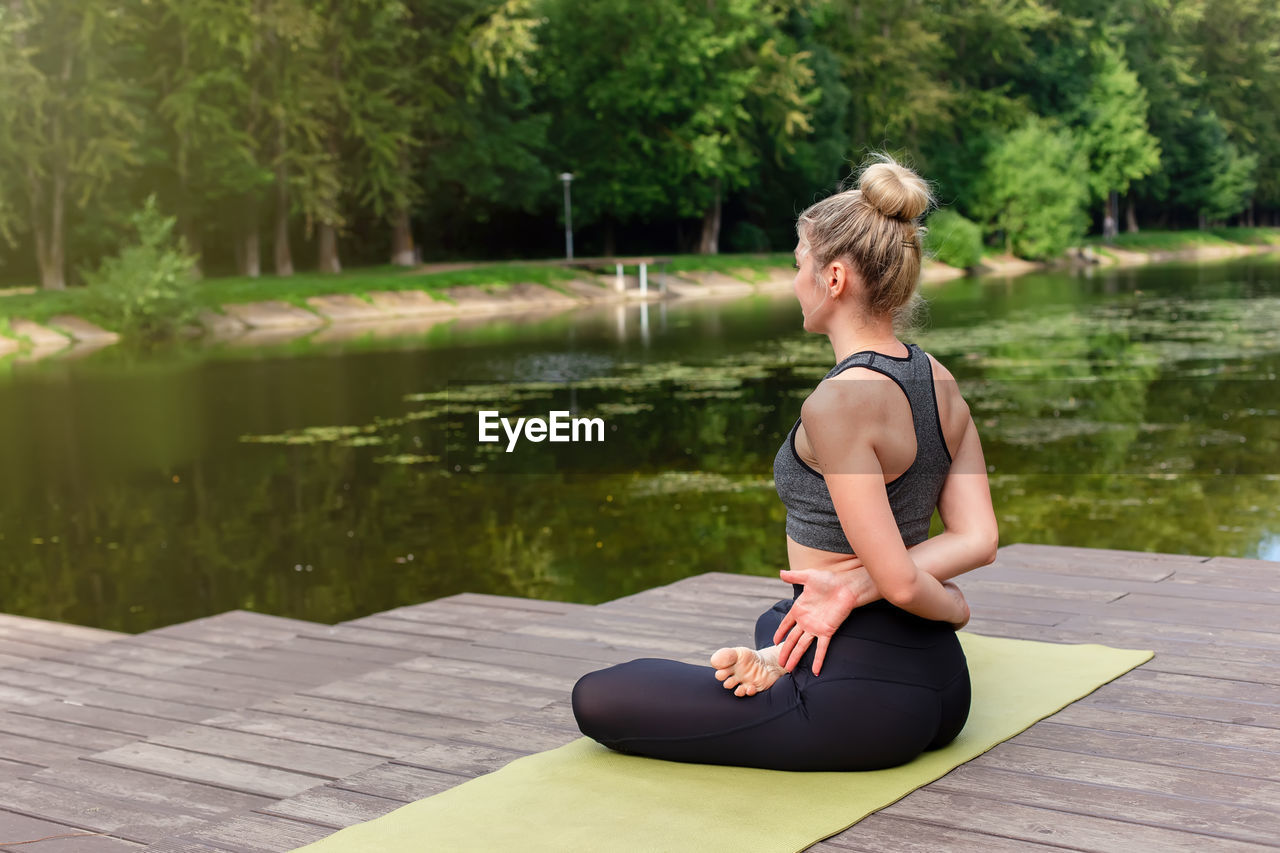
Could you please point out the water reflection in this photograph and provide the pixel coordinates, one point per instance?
(325, 479)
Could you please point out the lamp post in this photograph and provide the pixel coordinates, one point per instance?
(567, 178)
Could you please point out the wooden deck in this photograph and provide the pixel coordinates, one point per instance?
(245, 732)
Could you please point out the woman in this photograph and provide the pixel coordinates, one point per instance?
(862, 669)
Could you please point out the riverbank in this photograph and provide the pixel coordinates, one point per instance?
(393, 300)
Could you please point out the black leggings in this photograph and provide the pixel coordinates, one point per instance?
(892, 686)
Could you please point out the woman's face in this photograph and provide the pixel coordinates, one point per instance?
(811, 296)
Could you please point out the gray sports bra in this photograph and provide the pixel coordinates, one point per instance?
(913, 496)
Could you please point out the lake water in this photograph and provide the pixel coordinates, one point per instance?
(1133, 409)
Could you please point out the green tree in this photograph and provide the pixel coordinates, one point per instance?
(655, 103)
(1112, 122)
(72, 119)
(1034, 189)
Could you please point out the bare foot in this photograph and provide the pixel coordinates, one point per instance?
(747, 671)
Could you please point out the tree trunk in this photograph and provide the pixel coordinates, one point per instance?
(1249, 215)
(1201, 222)
(47, 233)
(1131, 215)
(401, 239)
(709, 244)
(328, 249)
(1109, 227)
(284, 258)
(248, 256)
(191, 238)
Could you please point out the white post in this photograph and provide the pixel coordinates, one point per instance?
(621, 283)
(644, 279)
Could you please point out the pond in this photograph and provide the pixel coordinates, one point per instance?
(1133, 409)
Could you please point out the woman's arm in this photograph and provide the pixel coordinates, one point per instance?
(842, 421)
(970, 540)
(971, 535)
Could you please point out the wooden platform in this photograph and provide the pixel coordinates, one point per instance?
(245, 732)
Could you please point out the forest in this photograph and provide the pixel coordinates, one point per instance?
(292, 135)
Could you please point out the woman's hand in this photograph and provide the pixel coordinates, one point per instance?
(827, 600)
(962, 605)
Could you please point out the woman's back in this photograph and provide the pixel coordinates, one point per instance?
(914, 450)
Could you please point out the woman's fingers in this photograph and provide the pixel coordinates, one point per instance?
(798, 651)
(788, 644)
(799, 576)
(787, 622)
(820, 655)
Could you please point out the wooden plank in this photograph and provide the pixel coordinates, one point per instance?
(332, 807)
(149, 789)
(1169, 751)
(517, 737)
(462, 615)
(80, 633)
(594, 651)
(302, 730)
(1036, 550)
(181, 845)
(209, 769)
(430, 685)
(881, 833)
(22, 696)
(84, 738)
(415, 723)
(310, 759)
(1126, 629)
(1186, 729)
(1259, 673)
(399, 782)
(92, 811)
(102, 718)
(462, 759)
(1093, 565)
(1132, 775)
(21, 829)
(21, 649)
(334, 647)
(40, 753)
(1051, 826)
(267, 621)
(481, 672)
(417, 643)
(294, 668)
(162, 708)
(514, 657)
(259, 833)
(1200, 685)
(1212, 819)
(1123, 697)
(390, 624)
(534, 604)
(397, 698)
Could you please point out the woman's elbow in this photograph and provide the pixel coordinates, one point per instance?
(991, 544)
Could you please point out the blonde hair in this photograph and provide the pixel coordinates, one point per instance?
(874, 225)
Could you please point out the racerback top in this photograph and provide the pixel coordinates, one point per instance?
(913, 496)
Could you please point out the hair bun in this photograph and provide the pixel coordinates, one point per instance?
(894, 190)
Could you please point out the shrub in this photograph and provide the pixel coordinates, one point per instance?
(953, 240)
(148, 289)
(1034, 189)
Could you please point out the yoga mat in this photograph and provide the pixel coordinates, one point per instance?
(586, 797)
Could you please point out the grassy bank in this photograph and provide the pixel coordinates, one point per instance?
(211, 293)
(1178, 241)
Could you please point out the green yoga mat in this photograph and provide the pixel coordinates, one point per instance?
(585, 797)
